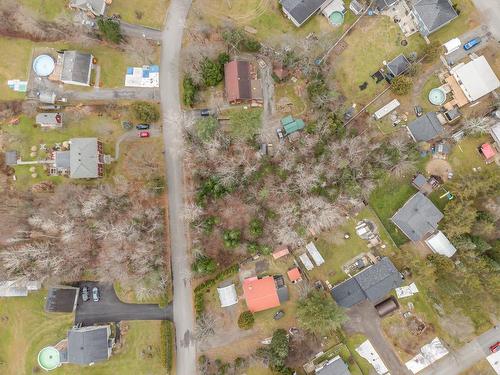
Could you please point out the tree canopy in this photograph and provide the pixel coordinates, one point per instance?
(401, 85)
(318, 313)
(110, 29)
(145, 112)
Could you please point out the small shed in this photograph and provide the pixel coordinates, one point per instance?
(398, 65)
(227, 294)
(315, 254)
(304, 258)
(281, 253)
(495, 133)
(11, 158)
(488, 152)
(386, 306)
(356, 7)
(291, 125)
(294, 275)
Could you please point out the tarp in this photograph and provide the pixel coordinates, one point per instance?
(441, 245)
(306, 262)
(146, 76)
(367, 351)
(227, 295)
(429, 354)
(406, 291)
(494, 360)
(318, 259)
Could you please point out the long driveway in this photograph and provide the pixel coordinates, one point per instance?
(173, 120)
(460, 360)
(490, 13)
(123, 93)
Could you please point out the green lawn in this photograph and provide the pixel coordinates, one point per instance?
(431, 83)
(336, 250)
(372, 41)
(287, 90)
(387, 199)
(244, 123)
(15, 65)
(26, 329)
(48, 10)
(145, 12)
(465, 156)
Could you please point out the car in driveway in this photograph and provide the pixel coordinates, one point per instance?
(495, 347)
(279, 133)
(95, 294)
(142, 126)
(419, 111)
(205, 112)
(472, 43)
(144, 134)
(85, 294)
(280, 314)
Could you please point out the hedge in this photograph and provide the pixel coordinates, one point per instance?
(167, 350)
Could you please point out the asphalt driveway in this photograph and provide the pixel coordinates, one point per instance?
(111, 309)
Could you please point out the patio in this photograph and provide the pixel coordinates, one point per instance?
(402, 15)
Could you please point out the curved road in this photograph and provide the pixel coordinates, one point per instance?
(173, 120)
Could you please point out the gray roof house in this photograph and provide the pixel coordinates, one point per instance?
(299, 11)
(335, 366)
(418, 217)
(86, 158)
(76, 68)
(61, 299)
(49, 120)
(398, 65)
(431, 15)
(96, 7)
(384, 4)
(373, 283)
(11, 157)
(425, 128)
(88, 345)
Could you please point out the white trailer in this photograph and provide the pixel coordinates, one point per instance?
(386, 109)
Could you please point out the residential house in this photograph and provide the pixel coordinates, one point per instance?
(475, 78)
(439, 244)
(227, 294)
(86, 158)
(93, 7)
(75, 67)
(89, 345)
(372, 283)
(418, 217)
(61, 299)
(18, 288)
(398, 66)
(334, 366)
(49, 120)
(264, 293)
(431, 15)
(299, 11)
(425, 128)
(241, 83)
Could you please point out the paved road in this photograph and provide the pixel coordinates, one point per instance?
(139, 31)
(173, 120)
(111, 309)
(364, 319)
(490, 12)
(124, 93)
(458, 361)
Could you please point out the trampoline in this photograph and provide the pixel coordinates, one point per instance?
(336, 18)
(49, 358)
(437, 96)
(43, 65)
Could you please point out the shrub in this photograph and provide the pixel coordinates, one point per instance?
(189, 90)
(211, 72)
(231, 238)
(204, 265)
(246, 320)
(206, 127)
(401, 85)
(110, 29)
(256, 228)
(145, 112)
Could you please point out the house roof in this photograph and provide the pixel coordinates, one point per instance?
(434, 14)
(84, 158)
(97, 7)
(419, 181)
(76, 67)
(61, 299)
(440, 244)
(260, 294)
(294, 274)
(11, 157)
(62, 160)
(417, 217)
(88, 345)
(335, 366)
(488, 151)
(292, 127)
(280, 253)
(373, 282)
(426, 127)
(302, 10)
(227, 295)
(495, 132)
(49, 118)
(398, 65)
(237, 80)
(356, 7)
(383, 4)
(476, 78)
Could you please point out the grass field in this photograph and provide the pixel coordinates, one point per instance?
(465, 156)
(352, 342)
(15, 65)
(431, 83)
(48, 10)
(372, 41)
(26, 329)
(467, 20)
(145, 12)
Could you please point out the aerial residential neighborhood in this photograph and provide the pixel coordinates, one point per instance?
(250, 187)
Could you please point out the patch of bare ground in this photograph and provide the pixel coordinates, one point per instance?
(458, 326)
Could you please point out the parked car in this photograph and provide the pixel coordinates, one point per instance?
(419, 111)
(204, 112)
(495, 347)
(144, 134)
(280, 314)
(85, 294)
(279, 133)
(142, 126)
(472, 43)
(95, 294)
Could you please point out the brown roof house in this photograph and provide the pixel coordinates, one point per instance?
(241, 83)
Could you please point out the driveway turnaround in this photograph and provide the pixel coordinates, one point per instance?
(111, 309)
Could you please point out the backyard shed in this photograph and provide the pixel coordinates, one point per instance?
(386, 109)
(294, 275)
(49, 120)
(227, 294)
(438, 243)
(398, 65)
(281, 253)
(495, 133)
(11, 157)
(291, 125)
(315, 254)
(304, 258)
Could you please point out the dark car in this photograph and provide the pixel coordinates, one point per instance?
(142, 126)
(204, 112)
(472, 43)
(85, 294)
(419, 111)
(280, 314)
(95, 294)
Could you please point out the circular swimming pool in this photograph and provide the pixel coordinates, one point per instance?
(48, 358)
(43, 65)
(437, 96)
(336, 18)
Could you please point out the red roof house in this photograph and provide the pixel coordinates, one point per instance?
(240, 84)
(260, 294)
(294, 275)
(488, 152)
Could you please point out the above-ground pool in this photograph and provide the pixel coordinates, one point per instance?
(336, 18)
(48, 358)
(43, 65)
(437, 96)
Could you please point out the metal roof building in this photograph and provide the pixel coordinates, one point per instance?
(49, 119)
(227, 295)
(438, 243)
(260, 294)
(315, 254)
(475, 78)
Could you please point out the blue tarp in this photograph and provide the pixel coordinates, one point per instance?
(130, 70)
(154, 69)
